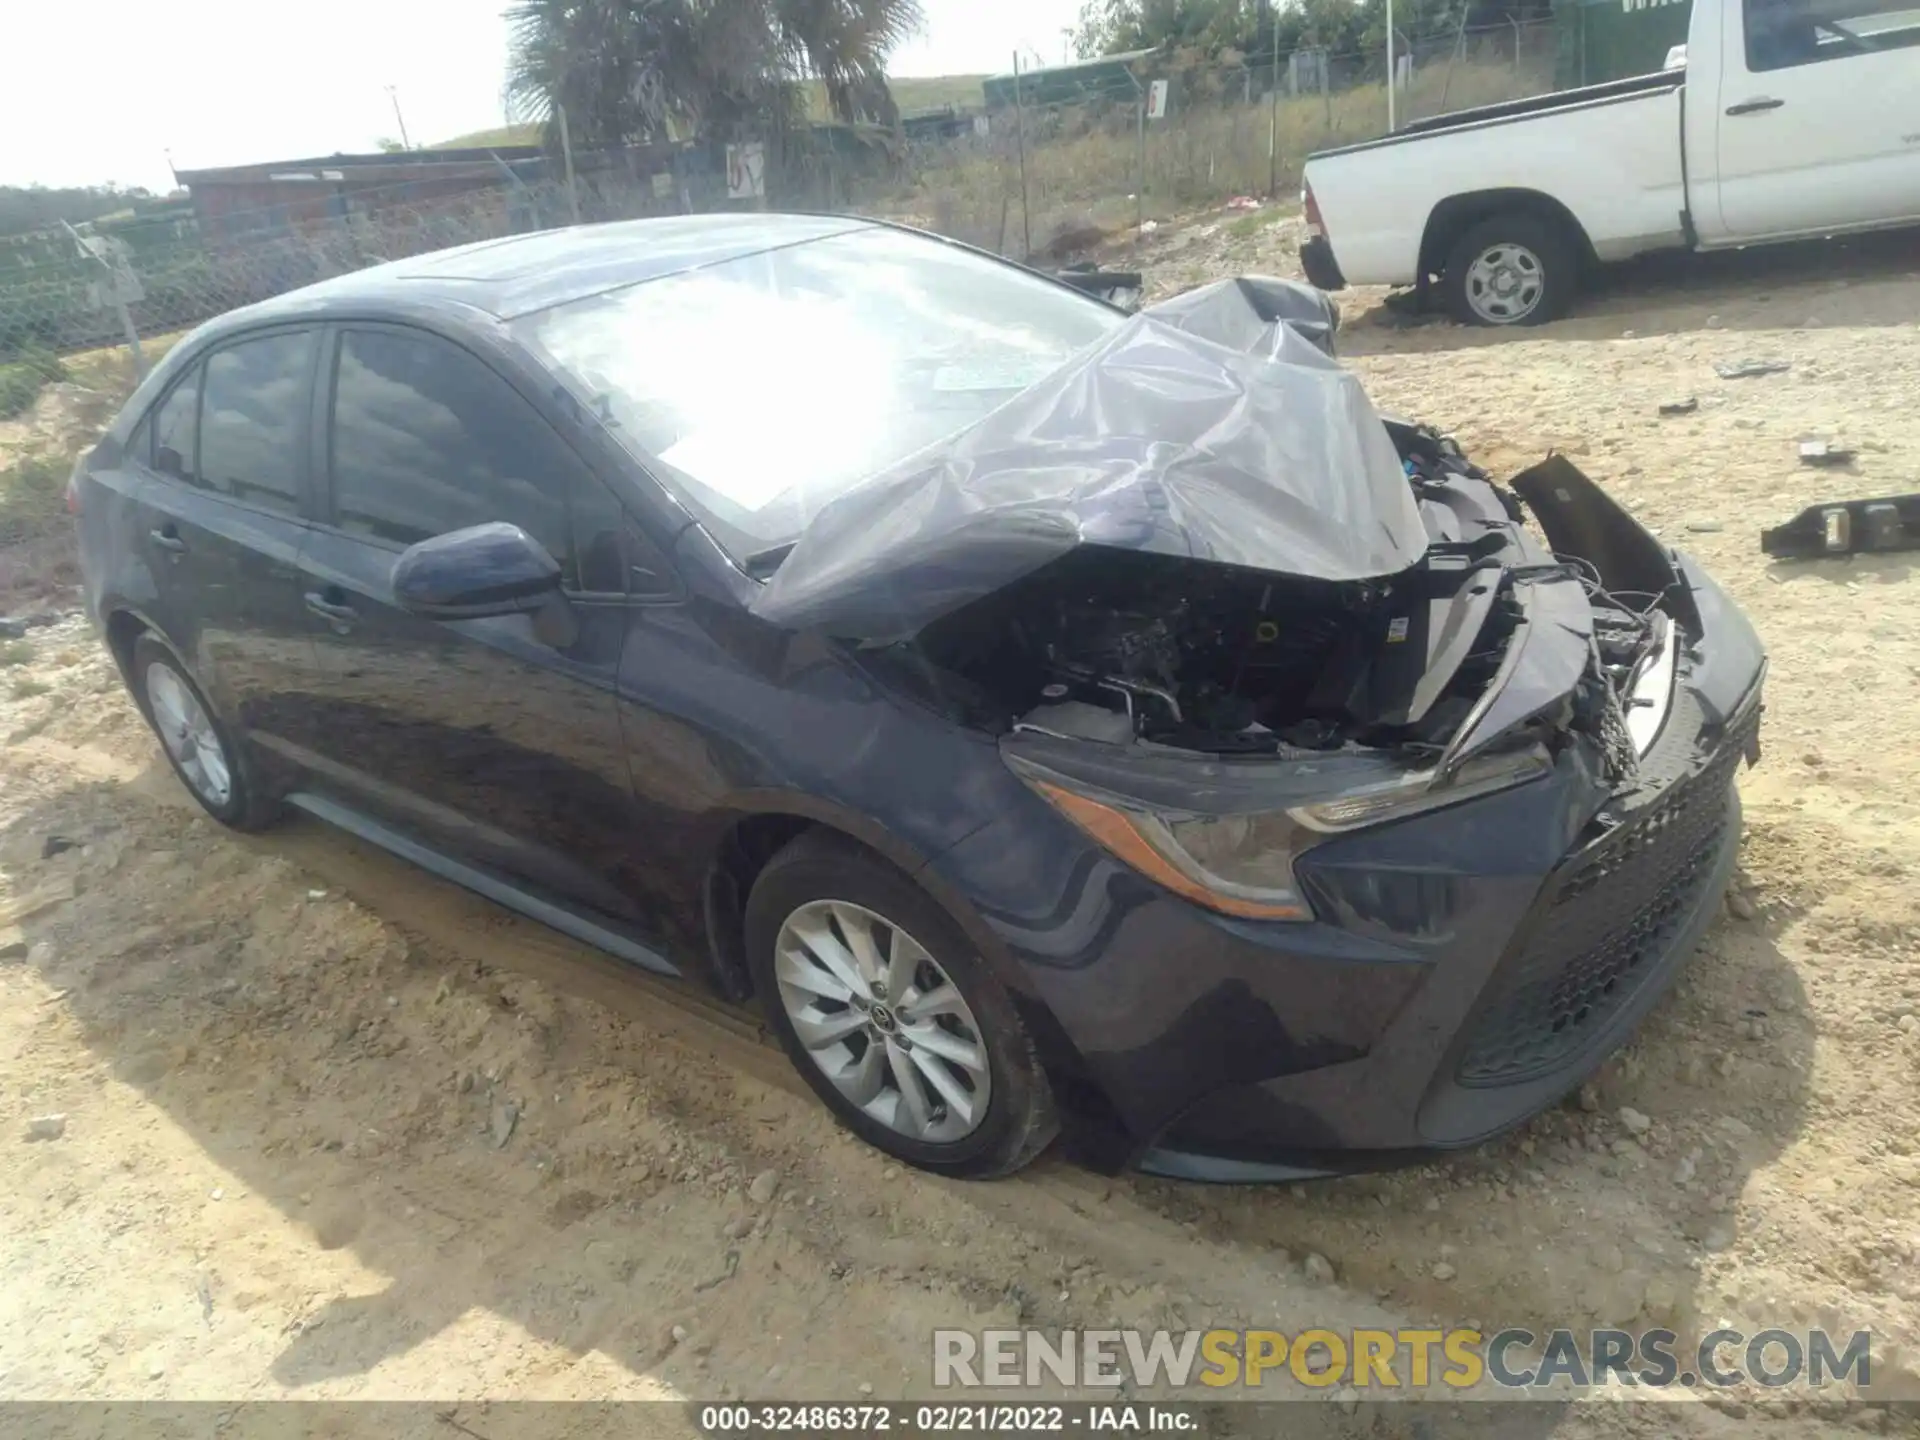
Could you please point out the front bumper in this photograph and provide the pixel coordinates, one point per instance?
(1605, 937)
(1316, 258)
(1467, 968)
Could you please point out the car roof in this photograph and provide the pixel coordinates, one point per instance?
(519, 274)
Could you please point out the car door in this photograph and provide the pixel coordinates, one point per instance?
(497, 740)
(221, 523)
(1819, 116)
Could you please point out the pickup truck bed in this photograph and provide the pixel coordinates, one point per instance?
(1790, 120)
(1609, 157)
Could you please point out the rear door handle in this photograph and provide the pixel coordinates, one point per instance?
(168, 539)
(1755, 106)
(333, 610)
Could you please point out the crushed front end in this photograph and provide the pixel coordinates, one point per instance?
(1432, 971)
(1354, 805)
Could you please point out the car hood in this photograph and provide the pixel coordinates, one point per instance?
(1214, 427)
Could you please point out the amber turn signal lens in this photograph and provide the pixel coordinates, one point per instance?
(1117, 833)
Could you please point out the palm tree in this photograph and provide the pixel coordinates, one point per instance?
(626, 69)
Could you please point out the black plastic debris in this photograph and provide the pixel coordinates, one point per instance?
(1680, 407)
(1746, 369)
(1824, 453)
(1847, 527)
(1117, 287)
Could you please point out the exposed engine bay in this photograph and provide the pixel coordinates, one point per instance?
(1200, 537)
(1130, 648)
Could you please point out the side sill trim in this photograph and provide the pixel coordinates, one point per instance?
(501, 892)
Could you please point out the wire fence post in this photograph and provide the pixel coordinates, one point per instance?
(1392, 112)
(566, 154)
(1273, 119)
(1140, 190)
(127, 327)
(1459, 43)
(1020, 141)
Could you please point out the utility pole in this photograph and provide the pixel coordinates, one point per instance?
(393, 94)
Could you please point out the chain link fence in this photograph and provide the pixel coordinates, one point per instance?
(1044, 175)
(93, 306)
(1033, 171)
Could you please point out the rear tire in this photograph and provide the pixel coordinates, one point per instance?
(1517, 268)
(824, 896)
(195, 741)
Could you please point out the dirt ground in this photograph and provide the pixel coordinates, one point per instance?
(335, 1129)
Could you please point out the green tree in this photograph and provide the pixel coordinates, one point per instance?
(1257, 28)
(632, 70)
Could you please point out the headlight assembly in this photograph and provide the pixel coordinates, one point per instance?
(1243, 864)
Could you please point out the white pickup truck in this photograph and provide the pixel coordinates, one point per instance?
(1784, 120)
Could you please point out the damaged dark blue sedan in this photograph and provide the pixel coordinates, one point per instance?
(1051, 719)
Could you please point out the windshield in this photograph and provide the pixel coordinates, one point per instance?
(764, 387)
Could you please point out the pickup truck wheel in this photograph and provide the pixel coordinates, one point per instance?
(1516, 269)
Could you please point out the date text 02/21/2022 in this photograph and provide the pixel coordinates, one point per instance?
(947, 1418)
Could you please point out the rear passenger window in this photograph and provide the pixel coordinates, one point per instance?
(174, 423)
(251, 419)
(427, 439)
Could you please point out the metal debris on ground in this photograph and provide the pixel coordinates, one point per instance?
(1680, 407)
(506, 1115)
(1824, 453)
(1745, 369)
(728, 1270)
(1847, 527)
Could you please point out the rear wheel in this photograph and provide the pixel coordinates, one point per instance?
(889, 1015)
(1513, 269)
(197, 745)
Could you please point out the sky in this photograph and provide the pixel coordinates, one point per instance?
(117, 90)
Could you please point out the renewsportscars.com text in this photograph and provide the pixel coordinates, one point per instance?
(1459, 1358)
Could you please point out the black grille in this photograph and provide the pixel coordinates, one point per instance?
(1611, 918)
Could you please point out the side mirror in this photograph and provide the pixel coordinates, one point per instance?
(494, 569)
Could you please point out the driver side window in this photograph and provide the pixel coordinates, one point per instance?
(1781, 34)
(426, 438)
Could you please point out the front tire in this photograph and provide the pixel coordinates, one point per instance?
(198, 746)
(1513, 269)
(890, 1016)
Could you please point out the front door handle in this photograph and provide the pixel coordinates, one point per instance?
(333, 610)
(1755, 106)
(168, 539)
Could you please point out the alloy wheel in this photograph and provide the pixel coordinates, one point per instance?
(882, 1021)
(187, 731)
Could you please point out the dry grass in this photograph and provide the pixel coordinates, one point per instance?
(37, 455)
(1084, 167)
(37, 556)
